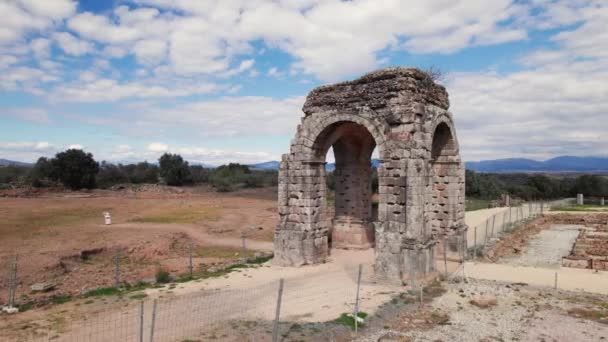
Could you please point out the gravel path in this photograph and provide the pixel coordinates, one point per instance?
(547, 248)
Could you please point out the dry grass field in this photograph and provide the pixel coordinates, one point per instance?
(152, 230)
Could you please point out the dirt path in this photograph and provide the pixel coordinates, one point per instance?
(567, 278)
(197, 233)
(311, 294)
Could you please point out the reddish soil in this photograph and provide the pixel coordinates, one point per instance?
(152, 228)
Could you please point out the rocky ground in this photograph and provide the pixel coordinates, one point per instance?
(489, 311)
(547, 248)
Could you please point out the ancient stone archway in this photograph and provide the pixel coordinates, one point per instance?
(403, 114)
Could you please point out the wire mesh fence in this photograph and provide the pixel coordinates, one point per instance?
(252, 313)
(221, 313)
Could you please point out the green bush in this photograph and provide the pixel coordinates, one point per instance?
(162, 276)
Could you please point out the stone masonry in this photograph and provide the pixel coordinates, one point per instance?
(404, 114)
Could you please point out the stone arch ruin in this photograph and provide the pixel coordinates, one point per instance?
(404, 114)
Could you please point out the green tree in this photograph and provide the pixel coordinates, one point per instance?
(75, 169)
(110, 174)
(174, 170)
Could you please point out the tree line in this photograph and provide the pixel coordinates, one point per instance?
(76, 169)
(534, 186)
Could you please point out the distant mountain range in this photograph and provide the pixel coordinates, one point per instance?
(12, 162)
(558, 164)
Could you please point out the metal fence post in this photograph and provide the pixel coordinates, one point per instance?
(190, 266)
(117, 269)
(445, 256)
(356, 313)
(493, 223)
(153, 320)
(475, 243)
(485, 241)
(275, 327)
(243, 243)
(12, 282)
(141, 321)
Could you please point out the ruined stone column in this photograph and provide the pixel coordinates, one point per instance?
(579, 199)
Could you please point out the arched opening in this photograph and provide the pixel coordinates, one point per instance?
(351, 207)
(443, 143)
(443, 204)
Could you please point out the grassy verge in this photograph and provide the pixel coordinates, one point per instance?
(582, 208)
(476, 204)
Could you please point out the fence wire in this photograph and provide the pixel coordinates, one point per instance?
(221, 313)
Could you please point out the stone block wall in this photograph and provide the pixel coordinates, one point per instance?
(403, 114)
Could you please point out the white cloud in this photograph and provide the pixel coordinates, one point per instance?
(158, 147)
(204, 38)
(7, 60)
(41, 47)
(56, 9)
(100, 28)
(225, 117)
(75, 147)
(26, 151)
(274, 72)
(72, 45)
(23, 16)
(150, 51)
(104, 90)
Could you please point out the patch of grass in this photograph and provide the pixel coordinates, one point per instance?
(581, 208)
(139, 296)
(60, 299)
(472, 204)
(38, 218)
(349, 321)
(181, 216)
(221, 252)
(162, 276)
(591, 314)
(26, 306)
(103, 292)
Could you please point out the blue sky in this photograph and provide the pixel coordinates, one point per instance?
(220, 81)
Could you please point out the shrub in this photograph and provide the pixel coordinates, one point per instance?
(162, 276)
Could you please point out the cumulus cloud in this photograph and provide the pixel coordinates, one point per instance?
(158, 147)
(104, 89)
(72, 45)
(20, 17)
(226, 117)
(26, 151)
(555, 106)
